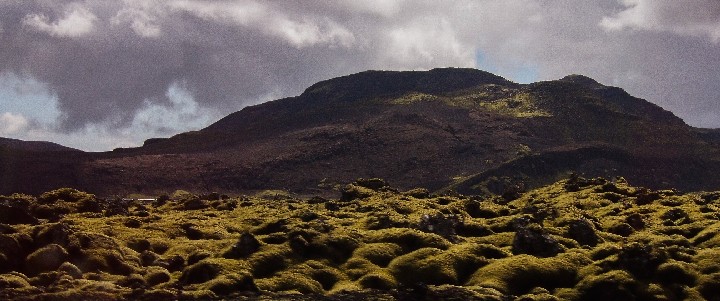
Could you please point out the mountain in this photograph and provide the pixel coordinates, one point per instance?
(32, 146)
(462, 129)
(30, 166)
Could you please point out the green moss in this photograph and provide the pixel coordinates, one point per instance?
(114, 261)
(182, 195)
(355, 267)
(379, 279)
(336, 247)
(489, 251)
(373, 242)
(413, 97)
(268, 260)
(545, 296)
(408, 239)
(605, 250)
(211, 268)
(10, 281)
(435, 266)
(291, 282)
(200, 272)
(379, 253)
(501, 240)
(18, 199)
(157, 275)
(613, 285)
(353, 192)
(518, 274)
(676, 272)
(708, 260)
(345, 287)
(419, 266)
(233, 283)
(521, 105)
(324, 274)
(708, 238)
(709, 286)
(64, 194)
(198, 295)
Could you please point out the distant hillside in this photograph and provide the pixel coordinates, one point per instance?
(444, 128)
(34, 146)
(710, 135)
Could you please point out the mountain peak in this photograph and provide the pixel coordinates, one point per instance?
(375, 83)
(582, 80)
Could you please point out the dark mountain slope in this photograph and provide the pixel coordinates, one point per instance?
(345, 99)
(25, 166)
(32, 146)
(431, 129)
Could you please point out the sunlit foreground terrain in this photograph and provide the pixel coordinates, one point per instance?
(578, 239)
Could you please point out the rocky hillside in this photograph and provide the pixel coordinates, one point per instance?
(577, 239)
(457, 128)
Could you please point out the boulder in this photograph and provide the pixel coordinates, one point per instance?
(45, 259)
(583, 232)
(245, 246)
(199, 273)
(70, 269)
(533, 240)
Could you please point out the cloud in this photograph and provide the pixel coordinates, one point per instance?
(182, 114)
(28, 97)
(159, 67)
(77, 22)
(426, 41)
(694, 17)
(142, 23)
(238, 12)
(378, 7)
(302, 32)
(12, 123)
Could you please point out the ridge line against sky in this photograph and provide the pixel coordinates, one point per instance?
(97, 75)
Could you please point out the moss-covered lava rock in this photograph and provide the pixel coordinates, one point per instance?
(578, 239)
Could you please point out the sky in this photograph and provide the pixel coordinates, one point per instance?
(97, 75)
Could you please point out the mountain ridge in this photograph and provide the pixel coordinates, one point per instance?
(36, 146)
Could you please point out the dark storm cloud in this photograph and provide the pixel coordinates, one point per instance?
(97, 72)
(105, 61)
(111, 63)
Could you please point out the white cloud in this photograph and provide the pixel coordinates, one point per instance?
(183, 113)
(693, 17)
(77, 22)
(142, 22)
(239, 12)
(385, 8)
(12, 124)
(300, 32)
(307, 33)
(424, 43)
